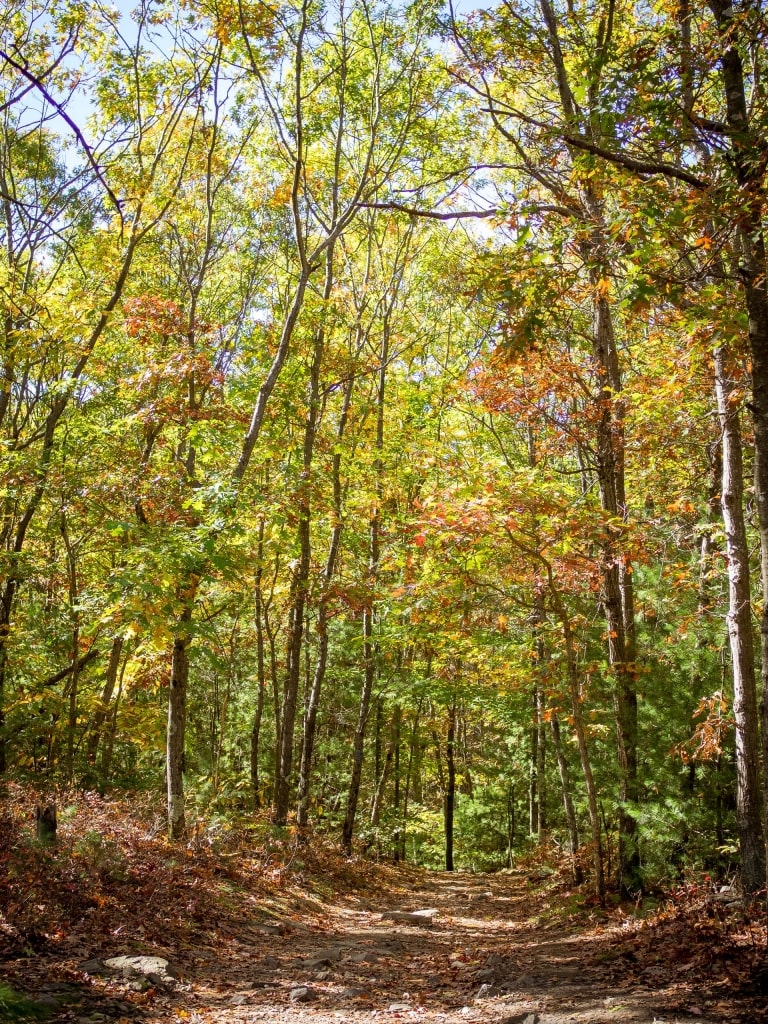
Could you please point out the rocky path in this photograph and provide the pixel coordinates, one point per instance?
(259, 926)
(458, 949)
(482, 955)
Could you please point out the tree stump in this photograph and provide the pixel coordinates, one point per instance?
(45, 822)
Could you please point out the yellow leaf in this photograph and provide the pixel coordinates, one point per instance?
(603, 288)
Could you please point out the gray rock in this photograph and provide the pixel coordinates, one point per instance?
(494, 960)
(397, 1007)
(419, 918)
(322, 958)
(238, 1000)
(519, 984)
(363, 956)
(146, 965)
(324, 975)
(48, 1002)
(63, 992)
(654, 972)
(484, 992)
(116, 1007)
(93, 966)
(352, 993)
(302, 994)
(330, 953)
(271, 929)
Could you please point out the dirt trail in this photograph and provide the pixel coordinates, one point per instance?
(260, 927)
(484, 958)
(315, 945)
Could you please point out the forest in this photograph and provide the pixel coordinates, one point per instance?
(384, 424)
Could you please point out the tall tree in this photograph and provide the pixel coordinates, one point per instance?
(578, 199)
(54, 257)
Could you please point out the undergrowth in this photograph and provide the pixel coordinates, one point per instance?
(112, 873)
(16, 1007)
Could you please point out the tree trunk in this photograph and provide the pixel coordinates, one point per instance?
(377, 739)
(450, 786)
(177, 721)
(261, 680)
(300, 582)
(100, 716)
(542, 659)
(747, 147)
(358, 743)
(411, 772)
(533, 767)
(617, 596)
(310, 719)
(748, 801)
(323, 618)
(572, 669)
(541, 764)
(397, 722)
(6, 611)
(274, 676)
(510, 823)
(292, 673)
(382, 778)
(369, 648)
(570, 812)
(258, 715)
(74, 678)
(105, 768)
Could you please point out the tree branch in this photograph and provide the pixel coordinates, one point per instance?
(435, 214)
(62, 113)
(79, 665)
(652, 167)
(495, 211)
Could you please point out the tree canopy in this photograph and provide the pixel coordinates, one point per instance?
(384, 421)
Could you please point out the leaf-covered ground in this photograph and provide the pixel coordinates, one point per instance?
(261, 928)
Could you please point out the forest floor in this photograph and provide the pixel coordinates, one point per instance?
(259, 928)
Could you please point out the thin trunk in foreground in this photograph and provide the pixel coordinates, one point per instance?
(748, 797)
